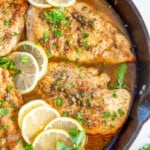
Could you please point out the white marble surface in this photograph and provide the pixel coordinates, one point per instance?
(143, 138)
(144, 8)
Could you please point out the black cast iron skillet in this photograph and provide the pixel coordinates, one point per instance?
(140, 110)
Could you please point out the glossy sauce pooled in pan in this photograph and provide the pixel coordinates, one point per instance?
(100, 139)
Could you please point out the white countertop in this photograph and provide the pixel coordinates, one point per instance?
(144, 8)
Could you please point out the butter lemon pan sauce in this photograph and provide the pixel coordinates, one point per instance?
(96, 91)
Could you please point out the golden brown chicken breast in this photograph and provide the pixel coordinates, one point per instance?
(82, 93)
(10, 102)
(12, 23)
(78, 33)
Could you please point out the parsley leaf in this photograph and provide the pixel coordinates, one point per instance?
(114, 95)
(121, 112)
(85, 35)
(24, 59)
(107, 114)
(10, 87)
(146, 147)
(77, 136)
(17, 72)
(6, 22)
(79, 118)
(28, 147)
(121, 72)
(59, 102)
(57, 33)
(79, 51)
(4, 111)
(6, 63)
(46, 37)
(61, 146)
(56, 15)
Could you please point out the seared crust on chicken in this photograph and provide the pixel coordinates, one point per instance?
(12, 23)
(82, 93)
(86, 35)
(10, 102)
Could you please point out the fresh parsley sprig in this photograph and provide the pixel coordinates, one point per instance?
(10, 65)
(77, 138)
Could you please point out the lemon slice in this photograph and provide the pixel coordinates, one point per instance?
(35, 121)
(28, 107)
(28, 78)
(48, 139)
(38, 52)
(66, 124)
(39, 3)
(61, 3)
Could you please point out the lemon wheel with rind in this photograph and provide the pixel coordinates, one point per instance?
(40, 3)
(26, 81)
(48, 139)
(35, 121)
(66, 124)
(61, 3)
(25, 109)
(38, 52)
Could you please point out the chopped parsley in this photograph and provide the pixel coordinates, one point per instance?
(4, 111)
(83, 94)
(114, 95)
(57, 84)
(107, 115)
(3, 127)
(59, 102)
(6, 22)
(17, 72)
(24, 59)
(28, 147)
(6, 63)
(9, 89)
(9, 64)
(86, 46)
(80, 76)
(77, 138)
(15, 33)
(1, 39)
(112, 126)
(89, 102)
(79, 118)
(1, 103)
(121, 112)
(49, 54)
(62, 146)
(56, 16)
(46, 37)
(25, 16)
(147, 147)
(65, 114)
(25, 46)
(72, 84)
(85, 35)
(114, 116)
(79, 51)
(57, 33)
(18, 141)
